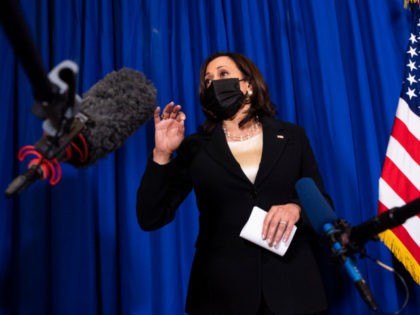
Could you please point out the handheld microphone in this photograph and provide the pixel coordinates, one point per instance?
(112, 110)
(322, 219)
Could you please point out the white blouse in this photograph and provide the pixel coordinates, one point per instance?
(248, 154)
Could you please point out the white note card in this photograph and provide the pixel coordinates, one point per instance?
(252, 231)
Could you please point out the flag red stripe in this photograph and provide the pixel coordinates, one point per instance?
(411, 144)
(396, 179)
(399, 178)
(404, 237)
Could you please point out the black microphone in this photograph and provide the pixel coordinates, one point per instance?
(389, 219)
(111, 111)
(322, 219)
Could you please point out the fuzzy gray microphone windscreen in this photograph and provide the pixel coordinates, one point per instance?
(116, 107)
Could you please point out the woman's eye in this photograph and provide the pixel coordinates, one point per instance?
(224, 74)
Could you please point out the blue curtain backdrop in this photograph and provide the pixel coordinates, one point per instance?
(333, 67)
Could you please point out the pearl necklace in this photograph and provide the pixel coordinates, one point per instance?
(251, 132)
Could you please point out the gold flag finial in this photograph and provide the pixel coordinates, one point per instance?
(409, 1)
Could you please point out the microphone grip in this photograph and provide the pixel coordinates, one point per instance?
(351, 268)
(22, 181)
(366, 294)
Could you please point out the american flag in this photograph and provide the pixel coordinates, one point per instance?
(400, 178)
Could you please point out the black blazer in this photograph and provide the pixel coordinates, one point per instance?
(229, 274)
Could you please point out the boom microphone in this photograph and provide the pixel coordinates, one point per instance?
(322, 218)
(78, 134)
(389, 219)
(118, 105)
(112, 110)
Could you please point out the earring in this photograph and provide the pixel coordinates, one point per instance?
(248, 97)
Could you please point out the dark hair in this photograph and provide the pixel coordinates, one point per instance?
(260, 99)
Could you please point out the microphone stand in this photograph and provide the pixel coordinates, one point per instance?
(352, 240)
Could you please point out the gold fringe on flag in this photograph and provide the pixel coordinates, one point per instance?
(402, 254)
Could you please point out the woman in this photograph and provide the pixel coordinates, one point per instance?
(241, 157)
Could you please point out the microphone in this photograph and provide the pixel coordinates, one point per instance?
(322, 219)
(118, 105)
(78, 132)
(389, 219)
(111, 111)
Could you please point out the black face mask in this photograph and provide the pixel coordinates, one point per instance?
(223, 98)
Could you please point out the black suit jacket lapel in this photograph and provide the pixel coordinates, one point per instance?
(274, 143)
(218, 149)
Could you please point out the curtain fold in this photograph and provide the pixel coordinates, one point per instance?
(334, 67)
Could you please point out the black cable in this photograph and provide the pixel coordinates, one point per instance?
(404, 283)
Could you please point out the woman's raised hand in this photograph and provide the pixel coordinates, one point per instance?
(169, 132)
